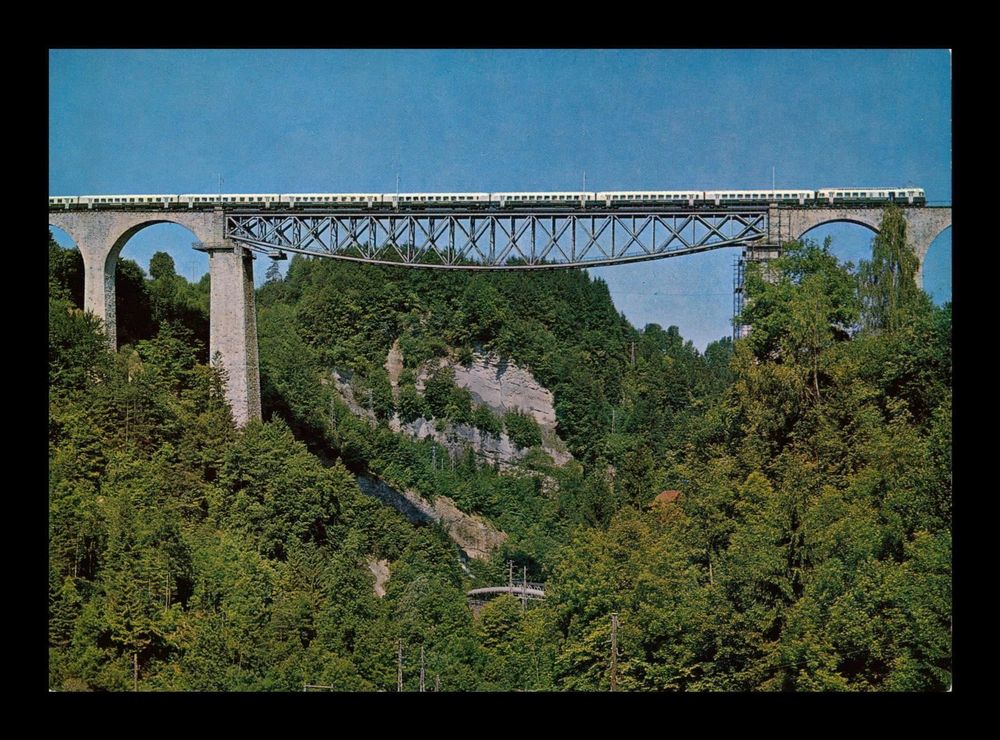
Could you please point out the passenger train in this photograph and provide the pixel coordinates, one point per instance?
(407, 201)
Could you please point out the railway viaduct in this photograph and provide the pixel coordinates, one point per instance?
(456, 239)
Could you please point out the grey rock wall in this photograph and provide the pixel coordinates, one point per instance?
(472, 533)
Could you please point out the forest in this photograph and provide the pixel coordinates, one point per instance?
(809, 548)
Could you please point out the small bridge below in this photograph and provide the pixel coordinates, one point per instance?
(521, 591)
(525, 590)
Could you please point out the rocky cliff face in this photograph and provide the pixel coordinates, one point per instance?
(502, 386)
(495, 383)
(456, 437)
(453, 437)
(473, 534)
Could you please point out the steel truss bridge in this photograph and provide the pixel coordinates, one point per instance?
(500, 240)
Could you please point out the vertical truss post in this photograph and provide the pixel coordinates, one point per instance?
(451, 239)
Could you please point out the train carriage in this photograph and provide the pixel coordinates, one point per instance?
(508, 200)
(138, 201)
(435, 199)
(778, 195)
(885, 193)
(649, 197)
(355, 200)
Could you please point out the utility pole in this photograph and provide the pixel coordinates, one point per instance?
(421, 669)
(633, 353)
(399, 668)
(524, 588)
(510, 574)
(614, 651)
(437, 683)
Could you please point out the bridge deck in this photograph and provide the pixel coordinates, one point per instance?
(533, 591)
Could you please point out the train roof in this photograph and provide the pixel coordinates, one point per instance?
(874, 187)
(762, 190)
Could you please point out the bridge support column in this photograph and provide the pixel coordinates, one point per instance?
(774, 233)
(233, 332)
(99, 266)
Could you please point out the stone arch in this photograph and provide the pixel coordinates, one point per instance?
(845, 220)
(851, 241)
(100, 237)
(923, 225)
(139, 302)
(801, 221)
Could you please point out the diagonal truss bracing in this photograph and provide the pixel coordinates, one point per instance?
(497, 240)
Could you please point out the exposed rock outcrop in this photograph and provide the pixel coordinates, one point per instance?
(472, 533)
(394, 368)
(380, 569)
(456, 437)
(502, 386)
(492, 382)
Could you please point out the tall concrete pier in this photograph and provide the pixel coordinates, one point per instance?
(233, 332)
(100, 237)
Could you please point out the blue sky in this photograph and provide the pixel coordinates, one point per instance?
(334, 121)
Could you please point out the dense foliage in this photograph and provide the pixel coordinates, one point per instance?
(809, 549)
